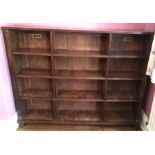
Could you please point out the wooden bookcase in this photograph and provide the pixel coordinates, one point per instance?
(77, 77)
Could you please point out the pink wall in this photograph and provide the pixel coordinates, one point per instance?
(6, 97)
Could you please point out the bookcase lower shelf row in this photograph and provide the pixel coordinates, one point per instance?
(87, 117)
(78, 111)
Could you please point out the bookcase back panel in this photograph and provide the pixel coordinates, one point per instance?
(33, 83)
(80, 116)
(77, 105)
(33, 39)
(123, 85)
(39, 83)
(81, 41)
(39, 104)
(33, 62)
(128, 42)
(80, 64)
(123, 91)
(38, 115)
(90, 85)
(119, 106)
(21, 62)
(124, 65)
(22, 85)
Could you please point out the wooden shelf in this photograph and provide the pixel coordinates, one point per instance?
(79, 116)
(71, 95)
(80, 95)
(122, 96)
(78, 74)
(36, 93)
(97, 54)
(79, 53)
(121, 117)
(124, 75)
(39, 115)
(40, 73)
(62, 74)
(126, 54)
(32, 51)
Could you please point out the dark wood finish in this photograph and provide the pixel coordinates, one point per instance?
(127, 54)
(56, 127)
(123, 90)
(79, 116)
(36, 93)
(119, 117)
(124, 75)
(77, 77)
(122, 96)
(80, 95)
(125, 123)
(53, 69)
(77, 105)
(97, 54)
(38, 115)
(80, 74)
(39, 104)
(42, 73)
(32, 51)
(79, 53)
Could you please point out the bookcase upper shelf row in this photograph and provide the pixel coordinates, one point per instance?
(77, 44)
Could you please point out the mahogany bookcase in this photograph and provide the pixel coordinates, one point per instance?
(77, 77)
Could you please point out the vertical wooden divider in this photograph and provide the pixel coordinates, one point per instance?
(106, 74)
(53, 70)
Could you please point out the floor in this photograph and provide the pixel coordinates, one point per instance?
(47, 127)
